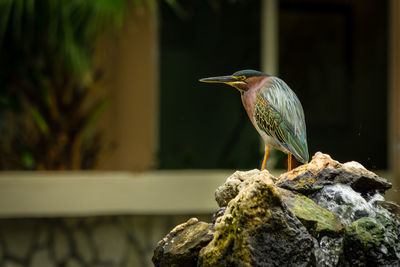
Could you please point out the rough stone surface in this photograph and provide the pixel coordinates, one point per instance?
(255, 221)
(368, 240)
(83, 248)
(318, 220)
(236, 182)
(61, 246)
(134, 258)
(323, 170)
(110, 243)
(37, 238)
(182, 245)
(10, 263)
(18, 238)
(41, 258)
(73, 263)
(43, 237)
(391, 206)
(323, 213)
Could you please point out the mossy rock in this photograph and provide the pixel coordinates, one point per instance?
(258, 229)
(182, 245)
(367, 231)
(318, 220)
(371, 241)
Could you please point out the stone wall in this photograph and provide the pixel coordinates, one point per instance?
(84, 241)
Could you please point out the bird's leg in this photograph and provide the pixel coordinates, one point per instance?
(289, 166)
(265, 158)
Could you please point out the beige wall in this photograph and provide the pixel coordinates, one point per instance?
(128, 60)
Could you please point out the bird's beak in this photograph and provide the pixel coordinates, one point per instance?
(220, 79)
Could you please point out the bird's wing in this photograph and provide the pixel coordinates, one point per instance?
(279, 113)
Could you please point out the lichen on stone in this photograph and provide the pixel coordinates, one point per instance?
(254, 221)
(318, 220)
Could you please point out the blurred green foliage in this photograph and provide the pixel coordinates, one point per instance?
(49, 94)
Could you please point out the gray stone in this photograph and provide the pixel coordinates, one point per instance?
(182, 245)
(139, 227)
(43, 237)
(18, 237)
(83, 246)
(257, 229)
(41, 258)
(1, 253)
(73, 263)
(110, 243)
(11, 264)
(134, 258)
(61, 247)
(318, 220)
(323, 170)
(235, 183)
(391, 206)
(372, 242)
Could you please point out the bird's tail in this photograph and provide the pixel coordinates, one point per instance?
(297, 146)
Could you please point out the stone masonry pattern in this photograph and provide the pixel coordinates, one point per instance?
(100, 241)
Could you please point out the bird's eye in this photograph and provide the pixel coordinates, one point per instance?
(240, 78)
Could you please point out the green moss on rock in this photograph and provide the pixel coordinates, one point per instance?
(317, 219)
(372, 240)
(253, 223)
(367, 231)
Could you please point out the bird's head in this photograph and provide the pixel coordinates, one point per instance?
(242, 80)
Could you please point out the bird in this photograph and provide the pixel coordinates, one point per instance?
(274, 110)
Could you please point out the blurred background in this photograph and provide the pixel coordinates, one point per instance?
(111, 86)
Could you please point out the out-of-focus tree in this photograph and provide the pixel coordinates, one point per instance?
(49, 94)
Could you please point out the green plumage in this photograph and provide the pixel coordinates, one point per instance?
(274, 110)
(278, 112)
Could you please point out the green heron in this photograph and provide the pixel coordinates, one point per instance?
(274, 110)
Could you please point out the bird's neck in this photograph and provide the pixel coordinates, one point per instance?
(249, 96)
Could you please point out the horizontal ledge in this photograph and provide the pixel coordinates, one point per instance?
(54, 194)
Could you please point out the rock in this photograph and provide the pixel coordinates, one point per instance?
(311, 214)
(83, 247)
(72, 263)
(43, 237)
(218, 214)
(328, 251)
(236, 182)
(257, 229)
(323, 213)
(391, 206)
(18, 237)
(345, 203)
(110, 242)
(182, 245)
(9, 263)
(41, 258)
(135, 258)
(323, 170)
(318, 220)
(61, 248)
(367, 240)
